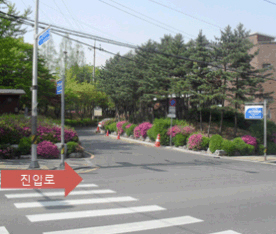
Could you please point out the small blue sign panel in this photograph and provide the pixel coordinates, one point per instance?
(44, 37)
(253, 112)
(59, 87)
(172, 102)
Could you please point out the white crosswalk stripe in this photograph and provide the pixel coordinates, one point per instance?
(52, 194)
(21, 189)
(226, 232)
(92, 213)
(74, 202)
(60, 204)
(3, 230)
(132, 227)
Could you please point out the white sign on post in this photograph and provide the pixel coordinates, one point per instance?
(98, 111)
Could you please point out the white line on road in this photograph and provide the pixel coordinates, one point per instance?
(51, 194)
(92, 213)
(3, 230)
(226, 232)
(132, 227)
(79, 186)
(74, 202)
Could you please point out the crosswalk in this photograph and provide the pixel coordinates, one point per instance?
(107, 197)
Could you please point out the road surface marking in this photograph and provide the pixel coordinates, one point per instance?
(226, 232)
(3, 230)
(132, 227)
(51, 194)
(92, 213)
(79, 186)
(74, 202)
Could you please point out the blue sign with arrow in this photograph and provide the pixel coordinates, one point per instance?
(44, 37)
(253, 112)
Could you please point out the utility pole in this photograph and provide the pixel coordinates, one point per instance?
(34, 162)
(94, 61)
(63, 148)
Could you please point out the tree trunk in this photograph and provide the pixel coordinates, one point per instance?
(209, 126)
(236, 121)
(200, 120)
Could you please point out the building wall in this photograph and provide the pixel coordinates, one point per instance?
(267, 55)
(9, 103)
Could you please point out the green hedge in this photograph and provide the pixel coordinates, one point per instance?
(25, 145)
(179, 139)
(130, 130)
(81, 123)
(71, 147)
(111, 127)
(228, 147)
(205, 143)
(215, 143)
(124, 126)
(242, 147)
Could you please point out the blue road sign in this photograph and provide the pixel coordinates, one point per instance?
(172, 102)
(59, 87)
(44, 37)
(253, 112)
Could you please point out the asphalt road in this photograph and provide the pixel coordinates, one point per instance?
(143, 189)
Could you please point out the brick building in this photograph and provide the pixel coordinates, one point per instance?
(266, 57)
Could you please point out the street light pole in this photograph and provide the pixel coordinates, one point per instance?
(94, 61)
(265, 140)
(34, 162)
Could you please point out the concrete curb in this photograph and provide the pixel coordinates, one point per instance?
(201, 153)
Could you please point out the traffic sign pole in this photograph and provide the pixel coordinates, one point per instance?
(62, 155)
(34, 162)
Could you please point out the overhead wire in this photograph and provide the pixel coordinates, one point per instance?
(162, 23)
(57, 31)
(270, 2)
(181, 12)
(138, 17)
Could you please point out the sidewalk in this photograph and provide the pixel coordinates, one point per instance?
(270, 159)
(80, 165)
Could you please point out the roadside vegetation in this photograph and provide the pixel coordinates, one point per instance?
(186, 134)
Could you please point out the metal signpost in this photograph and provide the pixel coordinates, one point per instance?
(34, 162)
(172, 111)
(63, 148)
(257, 111)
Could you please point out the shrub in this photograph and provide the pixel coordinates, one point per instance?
(229, 147)
(257, 130)
(194, 141)
(106, 123)
(112, 127)
(47, 149)
(141, 129)
(119, 127)
(128, 126)
(250, 140)
(174, 130)
(25, 145)
(124, 126)
(179, 139)
(271, 148)
(205, 143)
(187, 130)
(71, 147)
(215, 143)
(6, 151)
(261, 149)
(160, 126)
(242, 147)
(130, 130)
